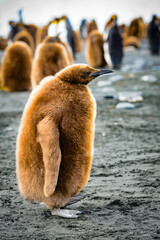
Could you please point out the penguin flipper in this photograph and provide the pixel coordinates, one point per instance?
(48, 137)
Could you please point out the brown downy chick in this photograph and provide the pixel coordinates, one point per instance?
(56, 134)
(26, 37)
(16, 67)
(131, 41)
(55, 39)
(77, 41)
(94, 49)
(49, 59)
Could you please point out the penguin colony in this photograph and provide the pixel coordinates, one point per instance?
(101, 49)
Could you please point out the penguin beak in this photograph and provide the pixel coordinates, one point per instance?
(101, 72)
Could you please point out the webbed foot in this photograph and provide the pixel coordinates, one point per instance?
(65, 213)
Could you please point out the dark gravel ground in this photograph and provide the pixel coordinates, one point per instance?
(123, 194)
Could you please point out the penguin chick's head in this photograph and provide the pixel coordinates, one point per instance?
(80, 74)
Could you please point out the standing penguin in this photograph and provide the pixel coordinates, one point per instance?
(94, 49)
(50, 58)
(70, 35)
(115, 46)
(58, 40)
(26, 37)
(83, 29)
(55, 139)
(154, 36)
(16, 67)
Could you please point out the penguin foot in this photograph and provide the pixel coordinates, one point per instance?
(65, 213)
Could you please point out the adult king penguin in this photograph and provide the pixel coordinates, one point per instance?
(55, 139)
(113, 48)
(153, 32)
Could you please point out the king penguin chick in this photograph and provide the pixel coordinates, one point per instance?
(94, 49)
(55, 139)
(131, 41)
(26, 37)
(16, 67)
(77, 41)
(49, 59)
(56, 38)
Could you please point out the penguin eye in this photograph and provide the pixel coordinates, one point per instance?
(86, 73)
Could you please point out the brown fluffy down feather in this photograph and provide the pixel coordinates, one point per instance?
(16, 67)
(77, 42)
(41, 34)
(94, 49)
(131, 41)
(26, 37)
(55, 139)
(58, 40)
(32, 29)
(49, 59)
(137, 28)
(3, 43)
(91, 26)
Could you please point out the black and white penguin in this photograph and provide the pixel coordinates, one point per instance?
(113, 50)
(153, 33)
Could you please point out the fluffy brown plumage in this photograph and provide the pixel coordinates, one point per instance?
(50, 39)
(137, 28)
(41, 34)
(32, 29)
(77, 41)
(55, 140)
(16, 67)
(94, 49)
(91, 26)
(131, 41)
(26, 37)
(49, 59)
(3, 43)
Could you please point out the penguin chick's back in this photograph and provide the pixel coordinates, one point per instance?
(68, 108)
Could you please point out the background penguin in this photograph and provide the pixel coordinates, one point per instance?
(16, 67)
(49, 59)
(70, 35)
(83, 29)
(32, 29)
(136, 28)
(131, 41)
(15, 28)
(3, 43)
(55, 139)
(77, 41)
(114, 53)
(94, 49)
(153, 33)
(92, 26)
(63, 26)
(26, 37)
(41, 34)
(58, 40)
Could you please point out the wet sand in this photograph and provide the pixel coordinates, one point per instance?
(123, 194)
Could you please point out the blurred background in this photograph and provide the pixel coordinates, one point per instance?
(40, 11)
